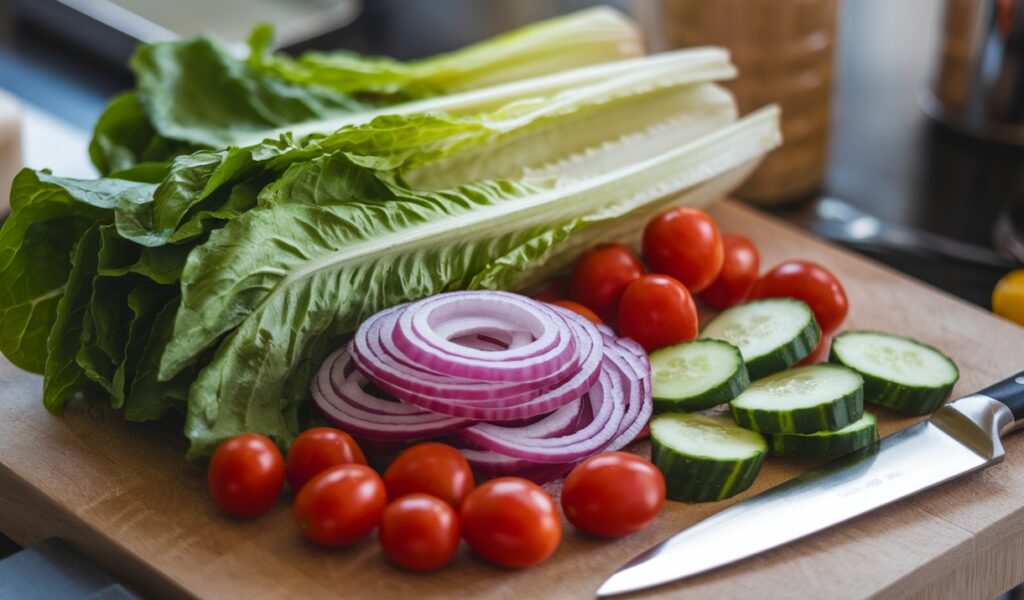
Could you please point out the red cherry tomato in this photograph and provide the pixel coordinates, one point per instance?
(684, 243)
(556, 289)
(657, 311)
(601, 275)
(613, 494)
(419, 532)
(340, 506)
(810, 282)
(246, 475)
(511, 522)
(581, 310)
(318, 449)
(431, 468)
(738, 274)
(820, 352)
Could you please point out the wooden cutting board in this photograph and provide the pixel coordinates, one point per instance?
(124, 495)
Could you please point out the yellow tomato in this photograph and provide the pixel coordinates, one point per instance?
(1008, 297)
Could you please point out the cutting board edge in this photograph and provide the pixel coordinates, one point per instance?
(29, 515)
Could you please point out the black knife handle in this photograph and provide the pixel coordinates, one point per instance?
(1010, 392)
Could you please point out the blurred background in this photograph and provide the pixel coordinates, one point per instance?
(875, 171)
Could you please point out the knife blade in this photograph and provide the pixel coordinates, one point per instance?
(961, 437)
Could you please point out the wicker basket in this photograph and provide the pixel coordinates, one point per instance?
(783, 49)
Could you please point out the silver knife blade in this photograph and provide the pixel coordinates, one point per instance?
(959, 438)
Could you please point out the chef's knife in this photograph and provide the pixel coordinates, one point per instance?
(961, 437)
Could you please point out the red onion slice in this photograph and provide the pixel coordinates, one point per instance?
(474, 399)
(345, 403)
(622, 404)
(508, 408)
(551, 351)
(489, 464)
(605, 399)
(633, 362)
(380, 361)
(531, 389)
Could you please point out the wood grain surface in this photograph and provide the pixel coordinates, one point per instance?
(124, 495)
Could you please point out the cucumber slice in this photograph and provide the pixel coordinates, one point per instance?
(772, 334)
(703, 457)
(826, 443)
(823, 397)
(697, 375)
(898, 372)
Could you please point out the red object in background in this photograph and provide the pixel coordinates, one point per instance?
(810, 282)
(740, 267)
(511, 522)
(601, 275)
(685, 244)
(657, 311)
(340, 506)
(318, 449)
(613, 494)
(246, 475)
(419, 532)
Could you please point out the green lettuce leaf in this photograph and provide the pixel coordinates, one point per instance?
(63, 377)
(196, 94)
(148, 397)
(591, 36)
(571, 112)
(195, 91)
(124, 138)
(49, 215)
(111, 325)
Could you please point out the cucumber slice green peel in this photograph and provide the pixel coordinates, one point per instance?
(772, 334)
(697, 375)
(826, 443)
(705, 458)
(823, 397)
(899, 372)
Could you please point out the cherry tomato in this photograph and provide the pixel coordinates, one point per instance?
(246, 475)
(419, 532)
(431, 468)
(317, 449)
(581, 310)
(685, 244)
(556, 289)
(601, 275)
(820, 352)
(738, 274)
(340, 506)
(613, 494)
(511, 522)
(810, 282)
(657, 311)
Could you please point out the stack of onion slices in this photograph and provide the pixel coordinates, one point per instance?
(525, 388)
